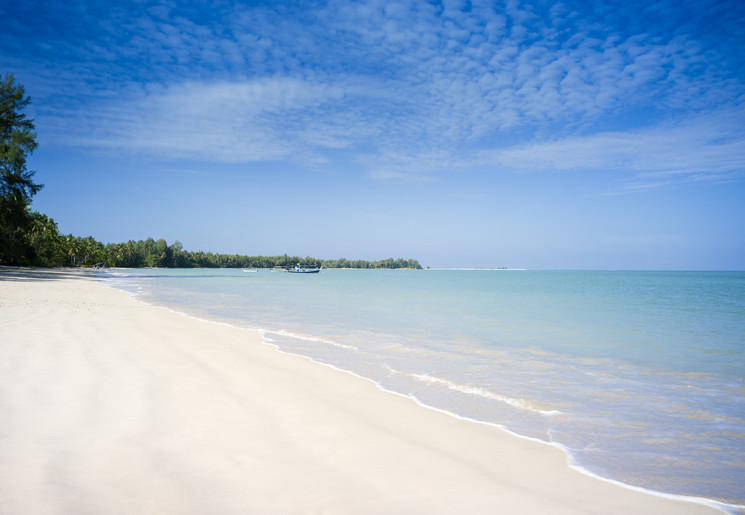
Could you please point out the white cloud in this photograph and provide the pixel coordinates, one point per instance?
(392, 84)
(705, 147)
(222, 121)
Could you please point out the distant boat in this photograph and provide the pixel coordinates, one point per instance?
(297, 269)
(250, 270)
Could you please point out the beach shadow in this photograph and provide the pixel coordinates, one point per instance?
(31, 274)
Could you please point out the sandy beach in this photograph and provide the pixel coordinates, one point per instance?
(111, 406)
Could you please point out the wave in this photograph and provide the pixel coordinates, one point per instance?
(299, 336)
(478, 391)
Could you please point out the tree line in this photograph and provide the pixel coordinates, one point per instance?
(29, 238)
(47, 247)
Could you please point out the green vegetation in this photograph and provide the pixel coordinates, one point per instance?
(31, 238)
(17, 142)
(52, 248)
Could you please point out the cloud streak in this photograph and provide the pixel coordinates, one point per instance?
(706, 147)
(220, 121)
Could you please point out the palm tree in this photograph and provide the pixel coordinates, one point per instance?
(72, 245)
(44, 238)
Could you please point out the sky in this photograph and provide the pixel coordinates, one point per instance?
(542, 135)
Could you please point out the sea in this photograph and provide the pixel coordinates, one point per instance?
(638, 375)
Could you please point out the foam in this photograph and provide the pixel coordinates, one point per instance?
(480, 392)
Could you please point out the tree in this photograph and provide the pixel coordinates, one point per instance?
(17, 142)
(44, 238)
(177, 251)
(72, 248)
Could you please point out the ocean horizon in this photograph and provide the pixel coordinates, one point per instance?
(636, 374)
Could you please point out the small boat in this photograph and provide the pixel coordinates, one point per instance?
(298, 269)
(250, 270)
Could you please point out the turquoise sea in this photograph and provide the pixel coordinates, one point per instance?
(638, 375)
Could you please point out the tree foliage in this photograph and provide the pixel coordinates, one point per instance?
(54, 249)
(17, 142)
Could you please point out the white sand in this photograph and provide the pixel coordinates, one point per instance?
(109, 406)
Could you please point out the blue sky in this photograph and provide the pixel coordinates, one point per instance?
(540, 135)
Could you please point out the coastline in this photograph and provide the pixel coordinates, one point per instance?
(113, 406)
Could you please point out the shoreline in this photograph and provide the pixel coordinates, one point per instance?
(112, 405)
(721, 506)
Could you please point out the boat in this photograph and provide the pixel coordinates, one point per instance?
(298, 269)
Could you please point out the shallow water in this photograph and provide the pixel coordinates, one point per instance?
(639, 375)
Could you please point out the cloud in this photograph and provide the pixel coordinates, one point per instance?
(404, 89)
(221, 121)
(709, 146)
